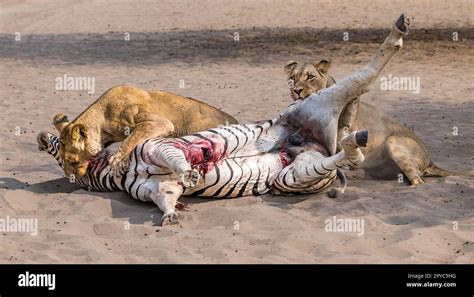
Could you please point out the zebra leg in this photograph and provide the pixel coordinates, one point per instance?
(166, 197)
(351, 155)
(311, 172)
(320, 112)
(170, 153)
(358, 83)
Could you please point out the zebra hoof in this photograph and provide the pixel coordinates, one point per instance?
(403, 23)
(333, 193)
(362, 137)
(170, 219)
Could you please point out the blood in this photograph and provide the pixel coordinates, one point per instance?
(181, 206)
(284, 158)
(202, 154)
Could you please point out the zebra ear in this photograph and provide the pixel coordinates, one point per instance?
(60, 121)
(290, 66)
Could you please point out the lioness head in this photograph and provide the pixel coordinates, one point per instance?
(308, 78)
(76, 146)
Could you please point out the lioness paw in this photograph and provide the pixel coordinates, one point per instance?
(189, 178)
(118, 164)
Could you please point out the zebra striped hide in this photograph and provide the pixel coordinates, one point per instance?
(223, 162)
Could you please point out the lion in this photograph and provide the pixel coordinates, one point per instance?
(392, 147)
(129, 114)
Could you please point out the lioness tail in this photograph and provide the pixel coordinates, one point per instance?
(434, 171)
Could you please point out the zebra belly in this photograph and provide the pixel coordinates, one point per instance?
(239, 176)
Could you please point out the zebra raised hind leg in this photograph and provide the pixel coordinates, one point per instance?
(319, 113)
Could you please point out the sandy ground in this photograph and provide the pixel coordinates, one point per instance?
(171, 41)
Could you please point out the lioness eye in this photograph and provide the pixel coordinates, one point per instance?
(310, 76)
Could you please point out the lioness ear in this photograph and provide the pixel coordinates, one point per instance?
(60, 121)
(290, 66)
(323, 65)
(78, 132)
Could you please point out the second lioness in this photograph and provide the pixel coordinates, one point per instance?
(392, 147)
(131, 115)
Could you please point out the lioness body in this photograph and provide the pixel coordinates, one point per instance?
(392, 148)
(131, 115)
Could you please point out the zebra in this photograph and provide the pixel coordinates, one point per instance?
(293, 153)
(213, 163)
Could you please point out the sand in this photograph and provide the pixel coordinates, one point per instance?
(176, 42)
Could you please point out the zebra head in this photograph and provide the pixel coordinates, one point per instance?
(48, 142)
(91, 181)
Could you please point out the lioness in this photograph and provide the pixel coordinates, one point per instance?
(391, 147)
(129, 114)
